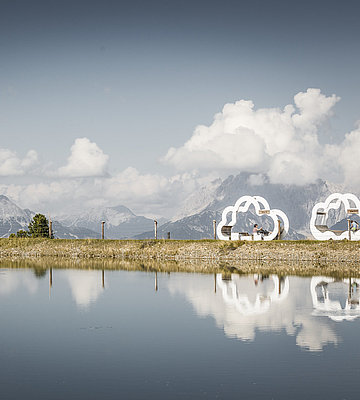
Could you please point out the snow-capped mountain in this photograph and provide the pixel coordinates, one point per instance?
(120, 222)
(12, 217)
(296, 201)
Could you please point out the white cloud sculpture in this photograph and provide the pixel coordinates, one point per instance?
(261, 208)
(320, 230)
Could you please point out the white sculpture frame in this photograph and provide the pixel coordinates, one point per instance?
(261, 207)
(333, 202)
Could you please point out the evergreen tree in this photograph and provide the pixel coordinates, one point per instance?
(22, 234)
(39, 226)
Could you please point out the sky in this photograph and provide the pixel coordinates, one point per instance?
(140, 103)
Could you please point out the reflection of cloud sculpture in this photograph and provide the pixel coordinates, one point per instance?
(85, 286)
(12, 280)
(291, 311)
(323, 288)
(320, 230)
(261, 208)
(262, 302)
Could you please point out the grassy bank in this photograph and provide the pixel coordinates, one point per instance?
(293, 252)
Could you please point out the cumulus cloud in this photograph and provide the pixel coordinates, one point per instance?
(280, 145)
(86, 159)
(280, 142)
(11, 164)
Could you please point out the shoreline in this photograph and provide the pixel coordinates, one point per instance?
(189, 255)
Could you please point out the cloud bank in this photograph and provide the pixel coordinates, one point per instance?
(283, 143)
(279, 144)
(11, 164)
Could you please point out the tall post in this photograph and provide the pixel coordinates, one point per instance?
(279, 229)
(214, 227)
(155, 228)
(50, 228)
(156, 282)
(168, 235)
(103, 279)
(215, 283)
(349, 228)
(102, 229)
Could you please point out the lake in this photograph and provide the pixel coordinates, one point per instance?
(112, 334)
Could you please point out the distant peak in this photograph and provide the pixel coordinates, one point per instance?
(122, 209)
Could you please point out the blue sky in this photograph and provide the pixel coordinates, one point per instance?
(136, 78)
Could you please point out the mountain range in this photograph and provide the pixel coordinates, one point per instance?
(296, 201)
(120, 222)
(195, 219)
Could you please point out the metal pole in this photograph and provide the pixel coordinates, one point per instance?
(102, 229)
(168, 235)
(214, 226)
(349, 228)
(103, 279)
(50, 228)
(155, 227)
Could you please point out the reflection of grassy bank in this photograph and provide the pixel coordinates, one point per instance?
(315, 252)
(42, 264)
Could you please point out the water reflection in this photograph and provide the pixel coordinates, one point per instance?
(310, 309)
(12, 280)
(243, 305)
(85, 287)
(336, 299)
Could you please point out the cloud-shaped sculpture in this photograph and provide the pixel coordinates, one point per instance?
(325, 306)
(261, 208)
(320, 230)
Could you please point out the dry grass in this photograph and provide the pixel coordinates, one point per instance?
(315, 252)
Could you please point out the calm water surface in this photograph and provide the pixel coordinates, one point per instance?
(88, 334)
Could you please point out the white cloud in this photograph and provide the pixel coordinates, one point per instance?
(348, 154)
(145, 194)
(277, 144)
(280, 142)
(86, 159)
(11, 164)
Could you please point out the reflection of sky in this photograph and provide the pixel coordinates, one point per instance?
(309, 309)
(292, 313)
(85, 286)
(12, 280)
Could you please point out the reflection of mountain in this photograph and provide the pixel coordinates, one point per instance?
(85, 285)
(338, 300)
(243, 305)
